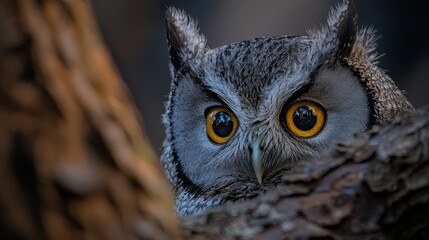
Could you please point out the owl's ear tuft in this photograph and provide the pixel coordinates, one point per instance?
(340, 33)
(185, 43)
(343, 22)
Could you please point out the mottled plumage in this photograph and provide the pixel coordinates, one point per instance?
(328, 81)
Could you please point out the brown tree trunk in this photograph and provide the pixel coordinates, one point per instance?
(74, 161)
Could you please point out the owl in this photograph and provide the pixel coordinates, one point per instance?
(241, 115)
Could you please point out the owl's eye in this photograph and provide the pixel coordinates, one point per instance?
(221, 124)
(305, 119)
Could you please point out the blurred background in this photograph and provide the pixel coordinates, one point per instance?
(134, 30)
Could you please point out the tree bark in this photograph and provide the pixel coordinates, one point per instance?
(75, 162)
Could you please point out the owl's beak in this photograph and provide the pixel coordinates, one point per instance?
(256, 160)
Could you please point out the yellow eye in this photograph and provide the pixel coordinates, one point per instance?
(221, 124)
(305, 119)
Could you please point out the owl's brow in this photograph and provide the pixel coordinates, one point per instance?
(304, 88)
(207, 90)
(300, 91)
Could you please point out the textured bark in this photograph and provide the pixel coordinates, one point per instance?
(375, 186)
(74, 161)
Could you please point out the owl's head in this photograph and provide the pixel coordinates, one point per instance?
(239, 115)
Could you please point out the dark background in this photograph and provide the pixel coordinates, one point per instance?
(134, 30)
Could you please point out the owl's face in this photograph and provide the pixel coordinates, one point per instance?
(241, 114)
(246, 111)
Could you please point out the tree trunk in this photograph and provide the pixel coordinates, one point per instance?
(75, 162)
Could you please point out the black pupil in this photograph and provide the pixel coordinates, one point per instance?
(304, 118)
(222, 124)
